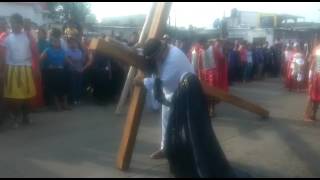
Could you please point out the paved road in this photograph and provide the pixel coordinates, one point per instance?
(84, 142)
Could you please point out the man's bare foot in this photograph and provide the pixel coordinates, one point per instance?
(158, 155)
(66, 108)
(309, 119)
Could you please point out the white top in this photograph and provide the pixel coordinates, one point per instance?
(172, 70)
(287, 55)
(18, 50)
(151, 102)
(297, 63)
(209, 61)
(194, 58)
(298, 59)
(318, 63)
(64, 45)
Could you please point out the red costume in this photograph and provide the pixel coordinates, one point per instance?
(204, 64)
(3, 36)
(196, 56)
(38, 100)
(288, 70)
(210, 65)
(314, 76)
(222, 68)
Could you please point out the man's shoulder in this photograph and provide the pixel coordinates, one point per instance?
(176, 51)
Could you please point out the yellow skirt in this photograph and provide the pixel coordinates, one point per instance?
(19, 83)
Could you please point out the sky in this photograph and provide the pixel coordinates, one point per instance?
(203, 14)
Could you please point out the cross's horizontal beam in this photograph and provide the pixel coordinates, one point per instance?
(208, 90)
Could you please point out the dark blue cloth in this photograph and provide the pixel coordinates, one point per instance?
(234, 64)
(55, 57)
(76, 85)
(42, 46)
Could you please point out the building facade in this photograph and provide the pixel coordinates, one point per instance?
(256, 26)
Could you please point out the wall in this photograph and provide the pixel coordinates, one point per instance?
(262, 33)
(250, 34)
(107, 30)
(249, 19)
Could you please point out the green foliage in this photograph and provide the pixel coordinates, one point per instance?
(131, 21)
(61, 11)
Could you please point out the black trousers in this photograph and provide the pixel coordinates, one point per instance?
(57, 82)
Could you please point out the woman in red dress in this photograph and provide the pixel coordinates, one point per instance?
(38, 100)
(197, 56)
(3, 35)
(288, 70)
(221, 66)
(314, 85)
(203, 60)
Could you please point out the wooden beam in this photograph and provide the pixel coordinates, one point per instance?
(111, 48)
(132, 70)
(234, 100)
(131, 128)
(161, 14)
(126, 88)
(137, 100)
(209, 91)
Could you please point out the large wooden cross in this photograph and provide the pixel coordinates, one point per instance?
(153, 28)
(158, 16)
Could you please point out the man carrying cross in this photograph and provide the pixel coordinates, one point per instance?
(188, 140)
(169, 64)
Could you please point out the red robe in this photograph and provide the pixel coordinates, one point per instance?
(314, 80)
(197, 50)
(221, 68)
(288, 70)
(3, 36)
(204, 65)
(38, 100)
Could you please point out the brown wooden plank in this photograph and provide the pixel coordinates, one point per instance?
(210, 91)
(119, 51)
(234, 100)
(133, 70)
(131, 128)
(161, 11)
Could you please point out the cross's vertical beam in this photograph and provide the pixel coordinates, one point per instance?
(132, 71)
(161, 13)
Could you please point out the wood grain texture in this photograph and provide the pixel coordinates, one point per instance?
(160, 16)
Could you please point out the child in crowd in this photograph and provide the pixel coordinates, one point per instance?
(56, 74)
(76, 57)
(43, 44)
(249, 64)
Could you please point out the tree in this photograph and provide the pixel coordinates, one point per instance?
(217, 24)
(91, 19)
(224, 29)
(61, 11)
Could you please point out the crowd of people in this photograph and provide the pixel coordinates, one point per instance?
(53, 68)
(58, 68)
(246, 61)
(220, 63)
